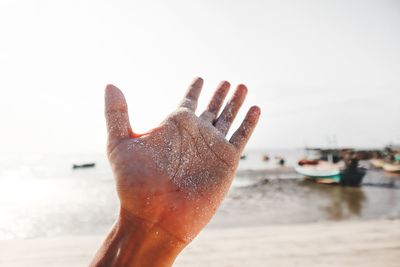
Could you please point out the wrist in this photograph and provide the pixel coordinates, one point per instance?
(136, 242)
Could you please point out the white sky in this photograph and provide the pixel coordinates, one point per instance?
(316, 68)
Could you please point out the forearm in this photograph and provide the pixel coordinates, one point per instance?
(134, 242)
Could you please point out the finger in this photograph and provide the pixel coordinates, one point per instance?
(243, 133)
(192, 94)
(116, 111)
(224, 121)
(216, 102)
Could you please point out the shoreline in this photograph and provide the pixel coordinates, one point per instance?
(267, 171)
(349, 243)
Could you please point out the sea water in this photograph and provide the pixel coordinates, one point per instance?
(42, 196)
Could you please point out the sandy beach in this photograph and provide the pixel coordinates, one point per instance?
(363, 243)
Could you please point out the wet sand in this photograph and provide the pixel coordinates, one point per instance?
(356, 244)
(275, 197)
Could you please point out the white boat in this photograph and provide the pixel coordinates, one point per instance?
(391, 167)
(377, 163)
(323, 172)
(328, 173)
(314, 171)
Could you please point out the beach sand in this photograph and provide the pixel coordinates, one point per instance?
(350, 243)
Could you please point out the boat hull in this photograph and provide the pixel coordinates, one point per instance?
(324, 180)
(377, 163)
(344, 178)
(315, 172)
(352, 178)
(392, 167)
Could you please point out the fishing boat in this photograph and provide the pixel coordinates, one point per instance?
(328, 173)
(265, 157)
(86, 165)
(352, 176)
(389, 167)
(377, 163)
(321, 173)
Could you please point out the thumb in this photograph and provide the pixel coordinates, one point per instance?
(116, 112)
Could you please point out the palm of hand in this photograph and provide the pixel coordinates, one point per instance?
(176, 175)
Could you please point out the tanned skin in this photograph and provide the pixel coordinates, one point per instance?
(170, 180)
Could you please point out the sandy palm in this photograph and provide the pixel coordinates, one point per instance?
(176, 175)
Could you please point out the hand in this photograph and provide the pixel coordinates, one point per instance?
(171, 179)
(176, 175)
